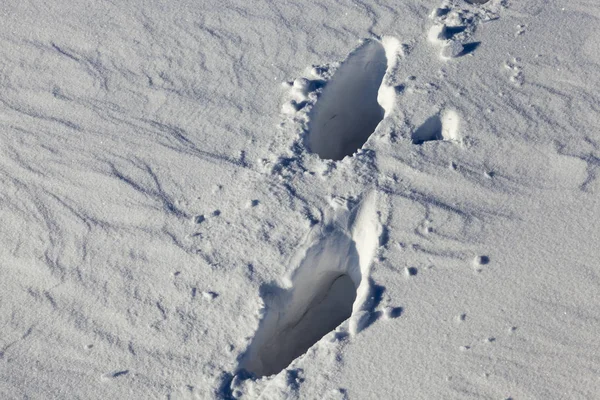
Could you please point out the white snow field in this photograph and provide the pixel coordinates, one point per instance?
(328, 199)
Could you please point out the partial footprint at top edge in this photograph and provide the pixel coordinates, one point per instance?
(347, 111)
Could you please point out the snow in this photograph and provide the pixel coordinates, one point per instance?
(217, 200)
(452, 49)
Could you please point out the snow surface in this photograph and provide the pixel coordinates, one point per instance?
(300, 200)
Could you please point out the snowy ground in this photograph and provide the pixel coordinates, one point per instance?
(194, 193)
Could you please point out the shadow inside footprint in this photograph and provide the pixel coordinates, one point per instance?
(347, 111)
(454, 30)
(469, 48)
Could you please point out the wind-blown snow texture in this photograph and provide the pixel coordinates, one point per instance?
(159, 184)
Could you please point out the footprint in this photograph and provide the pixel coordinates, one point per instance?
(444, 127)
(347, 112)
(329, 284)
(515, 67)
(454, 27)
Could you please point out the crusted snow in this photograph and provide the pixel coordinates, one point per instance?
(340, 200)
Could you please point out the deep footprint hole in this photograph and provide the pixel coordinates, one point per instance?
(321, 297)
(318, 294)
(347, 111)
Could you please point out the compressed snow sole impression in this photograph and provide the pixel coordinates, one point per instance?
(328, 285)
(347, 111)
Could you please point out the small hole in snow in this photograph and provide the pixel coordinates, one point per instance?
(429, 131)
